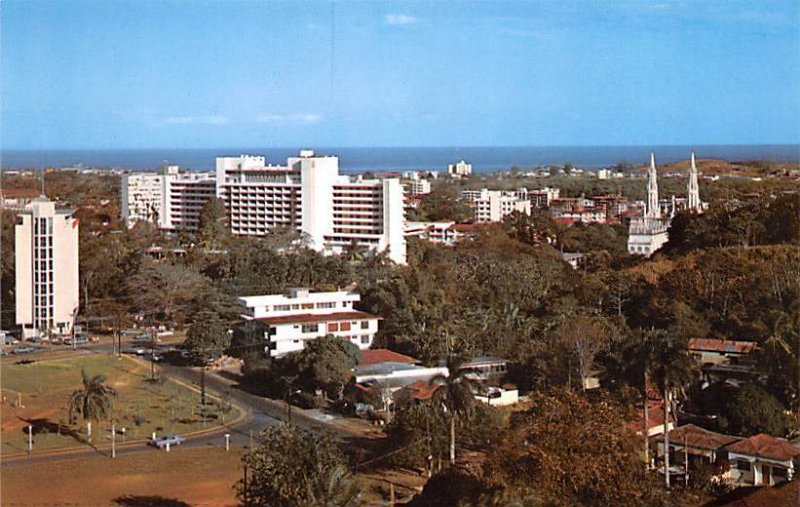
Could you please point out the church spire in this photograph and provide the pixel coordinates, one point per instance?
(652, 210)
(693, 200)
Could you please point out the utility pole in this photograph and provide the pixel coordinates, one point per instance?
(113, 440)
(685, 460)
(30, 439)
(203, 384)
(153, 351)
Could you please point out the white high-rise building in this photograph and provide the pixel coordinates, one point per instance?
(46, 260)
(459, 169)
(308, 194)
(170, 199)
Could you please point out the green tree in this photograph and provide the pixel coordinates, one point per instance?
(454, 393)
(327, 363)
(291, 466)
(173, 289)
(207, 337)
(94, 401)
(753, 410)
(214, 231)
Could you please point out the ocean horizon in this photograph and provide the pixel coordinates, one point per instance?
(359, 159)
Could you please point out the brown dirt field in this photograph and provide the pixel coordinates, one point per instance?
(198, 477)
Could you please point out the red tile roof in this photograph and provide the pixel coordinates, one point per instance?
(422, 390)
(655, 416)
(718, 345)
(700, 438)
(329, 317)
(16, 193)
(766, 446)
(377, 356)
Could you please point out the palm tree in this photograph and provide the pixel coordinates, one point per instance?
(670, 367)
(354, 252)
(94, 401)
(337, 488)
(454, 393)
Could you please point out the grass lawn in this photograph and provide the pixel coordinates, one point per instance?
(141, 406)
(185, 476)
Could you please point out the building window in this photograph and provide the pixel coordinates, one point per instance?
(333, 327)
(282, 308)
(779, 472)
(364, 324)
(310, 328)
(743, 465)
(364, 339)
(344, 326)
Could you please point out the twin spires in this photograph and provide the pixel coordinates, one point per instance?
(693, 203)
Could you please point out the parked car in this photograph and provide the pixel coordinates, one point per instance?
(163, 440)
(79, 340)
(23, 350)
(10, 340)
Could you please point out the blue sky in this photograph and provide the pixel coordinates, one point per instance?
(407, 73)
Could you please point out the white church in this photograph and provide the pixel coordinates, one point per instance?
(650, 232)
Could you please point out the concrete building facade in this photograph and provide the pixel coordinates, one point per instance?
(46, 260)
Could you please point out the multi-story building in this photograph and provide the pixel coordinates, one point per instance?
(290, 320)
(46, 260)
(495, 205)
(459, 169)
(540, 197)
(307, 194)
(171, 199)
(416, 187)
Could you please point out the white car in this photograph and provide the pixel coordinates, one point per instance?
(163, 440)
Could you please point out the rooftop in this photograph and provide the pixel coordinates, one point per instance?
(377, 356)
(719, 345)
(700, 438)
(766, 446)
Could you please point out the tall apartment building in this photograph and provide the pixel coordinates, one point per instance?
(416, 187)
(540, 198)
(171, 199)
(46, 260)
(290, 320)
(495, 205)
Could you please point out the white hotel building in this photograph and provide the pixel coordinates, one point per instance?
(46, 261)
(300, 315)
(495, 205)
(307, 194)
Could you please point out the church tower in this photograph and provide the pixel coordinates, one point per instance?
(693, 200)
(653, 210)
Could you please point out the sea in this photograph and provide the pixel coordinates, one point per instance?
(482, 158)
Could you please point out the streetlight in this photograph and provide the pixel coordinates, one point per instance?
(30, 438)
(227, 441)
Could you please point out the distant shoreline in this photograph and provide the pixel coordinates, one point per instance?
(483, 158)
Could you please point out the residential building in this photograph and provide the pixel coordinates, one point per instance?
(459, 169)
(392, 370)
(696, 443)
(574, 259)
(716, 351)
(307, 194)
(170, 199)
(495, 205)
(443, 233)
(762, 459)
(416, 187)
(46, 261)
(540, 197)
(16, 199)
(290, 320)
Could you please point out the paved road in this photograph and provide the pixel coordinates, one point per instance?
(259, 414)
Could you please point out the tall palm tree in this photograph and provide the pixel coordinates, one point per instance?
(94, 401)
(454, 393)
(670, 367)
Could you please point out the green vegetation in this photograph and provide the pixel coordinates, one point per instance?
(291, 466)
(51, 387)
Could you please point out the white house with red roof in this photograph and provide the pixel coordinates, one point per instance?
(300, 315)
(762, 460)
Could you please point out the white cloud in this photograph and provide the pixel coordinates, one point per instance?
(202, 120)
(400, 19)
(290, 119)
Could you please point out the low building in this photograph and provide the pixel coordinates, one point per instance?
(574, 259)
(762, 459)
(16, 199)
(699, 444)
(498, 396)
(291, 319)
(717, 351)
(416, 187)
(495, 205)
(487, 369)
(442, 233)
